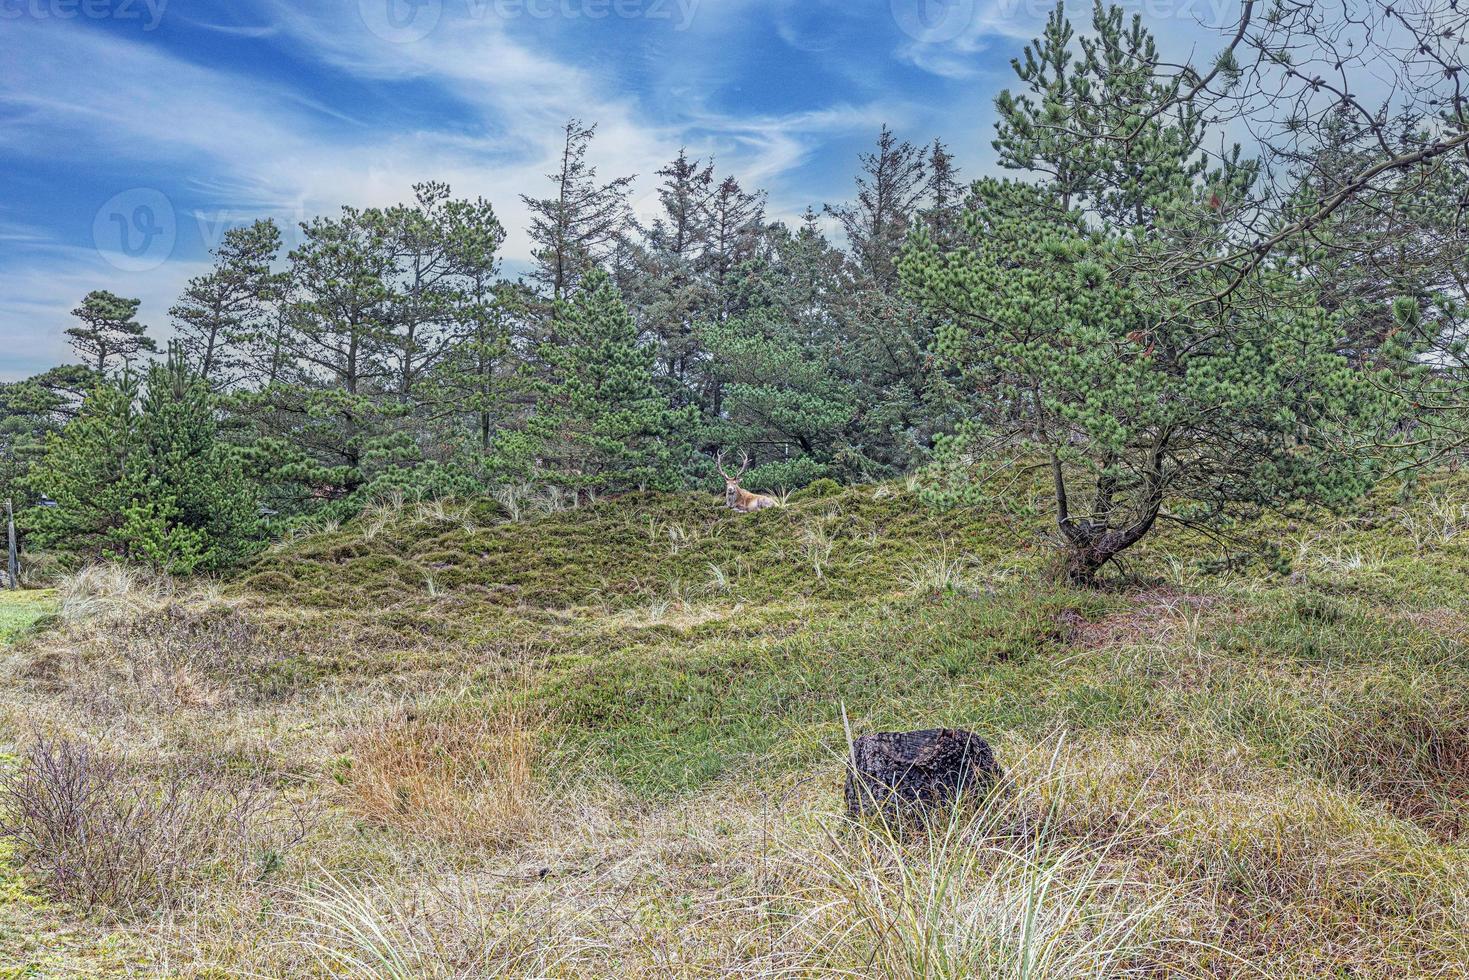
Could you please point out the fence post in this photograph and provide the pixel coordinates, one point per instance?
(13, 561)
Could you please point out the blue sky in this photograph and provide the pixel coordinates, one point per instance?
(133, 133)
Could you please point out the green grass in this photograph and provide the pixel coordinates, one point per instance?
(1279, 758)
(20, 611)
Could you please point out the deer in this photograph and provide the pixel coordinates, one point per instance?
(738, 500)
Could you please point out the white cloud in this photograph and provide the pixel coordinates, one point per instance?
(241, 148)
(41, 291)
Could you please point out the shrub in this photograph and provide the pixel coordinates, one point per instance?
(104, 837)
(785, 473)
(817, 489)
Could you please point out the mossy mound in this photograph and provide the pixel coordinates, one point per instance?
(840, 545)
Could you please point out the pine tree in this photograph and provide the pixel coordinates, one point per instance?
(888, 194)
(601, 423)
(30, 410)
(328, 419)
(226, 313)
(472, 381)
(1145, 403)
(1032, 134)
(109, 331)
(581, 222)
(477, 379)
(445, 254)
(145, 480)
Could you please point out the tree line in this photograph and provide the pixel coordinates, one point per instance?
(1167, 327)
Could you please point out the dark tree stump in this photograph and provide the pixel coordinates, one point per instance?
(917, 771)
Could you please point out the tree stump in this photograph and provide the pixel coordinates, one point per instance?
(917, 771)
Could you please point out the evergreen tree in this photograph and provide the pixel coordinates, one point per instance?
(889, 191)
(779, 359)
(1149, 398)
(1141, 414)
(328, 421)
(581, 222)
(944, 194)
(476, 382)
(194, 509)
(736, 223)
(445, 258)
(109, 331)
(89, 472)
(30, 410)
(226, 313)
(145, 481)
(473, 381)
(601, 423)
(661, 279)
(1032, 126)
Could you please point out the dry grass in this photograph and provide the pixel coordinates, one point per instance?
(110, 592)
(457, 774)
(615, 753)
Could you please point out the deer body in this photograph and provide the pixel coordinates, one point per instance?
(738, 500)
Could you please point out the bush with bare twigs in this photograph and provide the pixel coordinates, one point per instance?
(101, 836)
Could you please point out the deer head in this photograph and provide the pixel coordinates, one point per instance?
(737, 499)
(732, 483)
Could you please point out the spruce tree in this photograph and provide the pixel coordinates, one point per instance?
(145, 479)
(601, 423)
(194, 510)
(580, 222)
(90, 473)
(779, 359)
(889, 191)
(661, 279)
(944, 196)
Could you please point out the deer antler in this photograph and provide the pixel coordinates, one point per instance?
(744, 464)
(719, 464)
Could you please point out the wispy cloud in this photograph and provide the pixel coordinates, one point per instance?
(313, 109)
